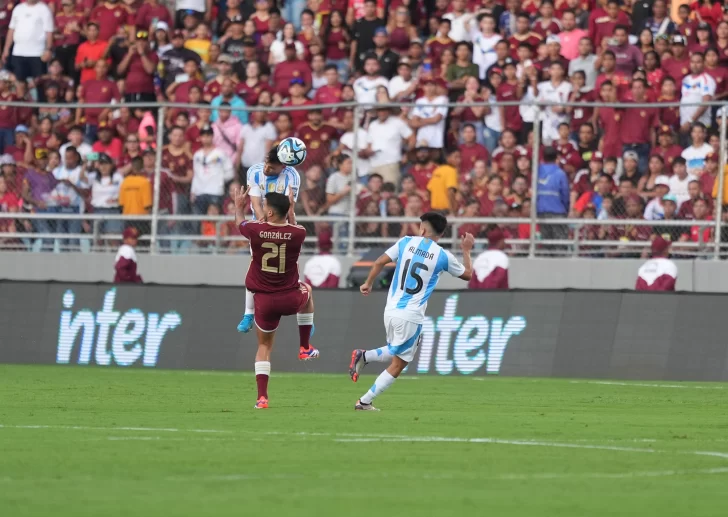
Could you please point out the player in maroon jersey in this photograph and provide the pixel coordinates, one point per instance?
(275, 244)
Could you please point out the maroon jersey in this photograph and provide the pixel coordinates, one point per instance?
(669, 115)
(147, 13)
(137, 79)
(610, 121)
(422, 174)
(213, 88)
(8, 115)
(286, 71)
(435, 47)
(668, 155)
(580, 115)
(638, 124)
(677, 69)
(97, 91)
(66, 35)
(274, 250)
(178, 164)
(328, 95)
(546, 28)
(182, 92)
(507, 92)
(471, 153)
(318, 142)
(249, 93)
(533, 39)
(298, 117)
(110, 18)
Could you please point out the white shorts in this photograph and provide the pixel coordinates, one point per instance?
(403, 337)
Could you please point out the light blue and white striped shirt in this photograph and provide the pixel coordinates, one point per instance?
(260, 184)
(420, 262)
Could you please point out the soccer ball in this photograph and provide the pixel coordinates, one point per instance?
(292, 151)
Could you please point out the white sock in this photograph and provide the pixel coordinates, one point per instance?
(378, 355)
(262, 368)
(249, 303)
(305, 318)
(384, 381)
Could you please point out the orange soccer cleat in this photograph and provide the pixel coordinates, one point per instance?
(304, 354)
(262, 403)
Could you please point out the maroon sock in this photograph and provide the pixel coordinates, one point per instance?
(304, 334)
(262, 382)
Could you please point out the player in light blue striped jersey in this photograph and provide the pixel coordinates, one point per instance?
(269, 176)
(420, 262)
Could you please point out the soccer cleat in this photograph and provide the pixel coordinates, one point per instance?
(304, 354)
(360, 406)
(357, 361)
(261, 404)
(246, 324)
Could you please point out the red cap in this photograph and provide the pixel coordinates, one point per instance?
(324, 241)
(130, 233)
(495, 236)
(659, 245)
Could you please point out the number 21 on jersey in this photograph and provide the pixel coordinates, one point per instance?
(278, 252)
(413, 272)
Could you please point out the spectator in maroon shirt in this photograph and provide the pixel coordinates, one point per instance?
(297, 97)
(546, 25)
(67, 35)
(666, 148)
(180, 91)
(470, 150)
(8, 114)
(639, 124)
(290, 69)
(628, 56)
(125, 263)
(150, 12)
(101, 90)
(139, 65)
(110, 17)
(678, 66)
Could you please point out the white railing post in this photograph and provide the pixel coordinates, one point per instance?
(354, 182)
(157, 180)
(535, 157)
(721, 181)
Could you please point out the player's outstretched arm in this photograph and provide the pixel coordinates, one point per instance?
(466, 243)
(241, 199)
(292, 207)
(379, 264)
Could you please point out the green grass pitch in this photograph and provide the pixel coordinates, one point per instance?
(96, 442)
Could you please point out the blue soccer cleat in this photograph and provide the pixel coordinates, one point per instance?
(246, 324)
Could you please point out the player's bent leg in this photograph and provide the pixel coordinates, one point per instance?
(247, 322)
(305, 325)
(383, 382)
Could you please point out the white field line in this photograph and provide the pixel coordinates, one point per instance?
(354, 437)
(646, 385)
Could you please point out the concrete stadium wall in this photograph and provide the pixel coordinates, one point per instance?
(229, 270)
(585, 334)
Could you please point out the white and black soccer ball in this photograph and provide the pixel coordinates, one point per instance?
(292, 151)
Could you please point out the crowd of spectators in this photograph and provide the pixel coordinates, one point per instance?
(239, 58)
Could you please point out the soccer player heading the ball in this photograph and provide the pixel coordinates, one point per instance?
(273, 175)
(275, 245)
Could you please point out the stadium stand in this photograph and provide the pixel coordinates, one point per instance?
(240, 58)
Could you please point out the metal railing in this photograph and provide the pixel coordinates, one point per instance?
(345, 230)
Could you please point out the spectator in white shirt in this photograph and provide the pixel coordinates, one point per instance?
(365, 87)
(256, 139)
(68, 196)
(105, 185)
(484, 43)
(324, 269)
(428, 117)
(679, 181)
(460, 21)
(402, 86)
(387, 134)
(31, 37)
(364, 144)
(696, 153)
(655, 209)
(338, 188)
(556, 90)
(698, 86)
(211, 168)
(75, 140)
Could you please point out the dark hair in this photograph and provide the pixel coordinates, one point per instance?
(609, 53)
(436, 220)
(327, 31)
(137, 164)
(279, 203)
(375, 175)
(621, 28)
(272, 156)
(331, 67)
(679, 160)
(550, 154)
(389, 187)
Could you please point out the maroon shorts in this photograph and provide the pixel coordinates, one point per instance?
(269, 307)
